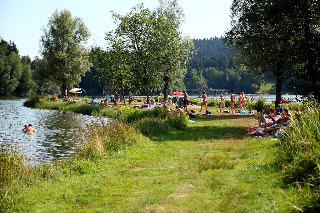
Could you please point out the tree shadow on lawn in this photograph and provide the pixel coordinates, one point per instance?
(197, 133)
(221, 117)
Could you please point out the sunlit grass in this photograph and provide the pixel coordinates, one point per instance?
(211, 166)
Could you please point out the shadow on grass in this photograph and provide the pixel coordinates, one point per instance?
(204, 133)
(196, 133)
(221, 117)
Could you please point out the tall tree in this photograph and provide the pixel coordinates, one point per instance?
(112, 65)
(135, 31)
(39, 67)
(305, 16)
(261, 38)
(152, 46)
(26, 84)
(173, 49)
(10, 68)
(62, 46)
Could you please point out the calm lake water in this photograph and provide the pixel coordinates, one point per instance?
(57, 132)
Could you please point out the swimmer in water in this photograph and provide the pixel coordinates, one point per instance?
(30, 130)
(25, 128)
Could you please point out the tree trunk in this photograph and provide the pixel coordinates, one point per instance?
(147, 93)
(278, 91)
(146, 84)
(310, 47)
(122, 98)
(64, 91)
(166, 87)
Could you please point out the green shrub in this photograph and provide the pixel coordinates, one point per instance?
(86, 109)
(108, 112)
(177, 120)
(154, 126)
(227, 103)
(103, 138)
(300, 151)
(13, 176)
(195, 101)
(293, 106)
(32, 101)
(250, 105)
(213, 103)
(260, 105)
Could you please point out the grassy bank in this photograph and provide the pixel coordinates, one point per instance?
(209, 166)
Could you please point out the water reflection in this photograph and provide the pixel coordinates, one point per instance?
(57, 132)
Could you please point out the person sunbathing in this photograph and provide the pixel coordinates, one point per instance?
(281, 120)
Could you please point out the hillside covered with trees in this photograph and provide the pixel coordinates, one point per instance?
(213, 67)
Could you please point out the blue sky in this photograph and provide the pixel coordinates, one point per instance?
(22, 21)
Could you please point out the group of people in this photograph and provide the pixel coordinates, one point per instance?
(272, 119)
(241, 107)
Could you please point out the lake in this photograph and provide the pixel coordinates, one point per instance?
(57, 133)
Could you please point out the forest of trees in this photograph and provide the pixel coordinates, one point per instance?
(213, 67)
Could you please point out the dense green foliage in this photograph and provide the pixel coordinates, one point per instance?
(10, 68)
(44, 87)
(280, 37)
(213, 67)
(146, 51)
(62, 45)
(105, 138)
(299, 154)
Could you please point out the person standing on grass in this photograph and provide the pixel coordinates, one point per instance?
(185, 100)
(222, 104)
(244, 101)
(233, 101)
(240, 102)
(204, 101)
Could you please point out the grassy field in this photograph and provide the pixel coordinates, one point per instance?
(212, 166)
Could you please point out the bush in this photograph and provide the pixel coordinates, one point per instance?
(250, 105)
(86, 109)
(103, 138)
(129, 114)
(154, 126)
(212, 103)
(300, 150)
(227, 103)
(259, 106)
(195, 101)
(13, 175)
(32, 102)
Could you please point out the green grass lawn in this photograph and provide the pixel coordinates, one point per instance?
(212, 166)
